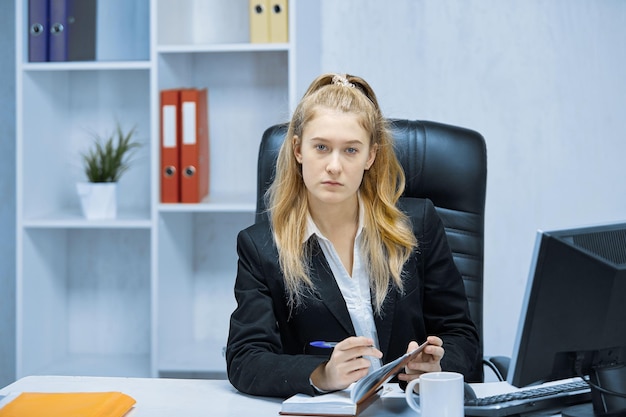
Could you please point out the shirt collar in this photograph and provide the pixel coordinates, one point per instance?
(312, 229)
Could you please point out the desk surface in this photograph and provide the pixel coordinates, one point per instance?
(163, 397)
(158, 397)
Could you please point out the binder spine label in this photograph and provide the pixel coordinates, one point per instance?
(189, 123)
(169, 126)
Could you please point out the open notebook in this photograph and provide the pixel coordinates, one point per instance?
(352, 400)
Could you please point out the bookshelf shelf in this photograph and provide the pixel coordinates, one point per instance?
(150, 292)
(78, 221)
(231, 47)
(88, 66)
(212, 203)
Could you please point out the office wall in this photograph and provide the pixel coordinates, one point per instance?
(543, 81)
(7, 192)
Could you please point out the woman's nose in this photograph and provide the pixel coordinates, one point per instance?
(334, 164)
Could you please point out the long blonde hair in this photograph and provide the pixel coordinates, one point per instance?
(388, 237)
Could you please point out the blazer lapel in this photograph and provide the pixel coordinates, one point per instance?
(330, 295)
(327, 288)
(384, 323)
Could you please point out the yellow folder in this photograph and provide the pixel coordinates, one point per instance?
(68, 404)
(259, 21)
(279, 21)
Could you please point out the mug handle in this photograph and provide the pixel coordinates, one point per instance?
(410, 399)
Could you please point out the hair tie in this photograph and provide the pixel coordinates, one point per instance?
(341, 80)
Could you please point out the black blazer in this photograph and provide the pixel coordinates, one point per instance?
(268, 351)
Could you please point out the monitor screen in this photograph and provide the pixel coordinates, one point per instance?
(573, 319)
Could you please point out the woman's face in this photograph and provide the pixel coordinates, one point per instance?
(334, 152)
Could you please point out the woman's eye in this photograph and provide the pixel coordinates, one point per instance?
(352, 150)
(321, 147)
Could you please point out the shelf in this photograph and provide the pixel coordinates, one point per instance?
(247, 92)
(226, 47)
(192, 22)
(150, 292)
(76, 220)
(84, 292)
(65, 111)
(87, 66)
(219, 203)
(196, 274)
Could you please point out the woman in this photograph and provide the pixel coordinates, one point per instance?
(343, 258)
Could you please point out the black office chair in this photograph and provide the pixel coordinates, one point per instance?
(443, 163)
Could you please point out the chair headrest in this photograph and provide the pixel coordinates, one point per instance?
(447, 164)
(444, 163)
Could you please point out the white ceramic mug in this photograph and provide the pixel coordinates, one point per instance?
(440, 395)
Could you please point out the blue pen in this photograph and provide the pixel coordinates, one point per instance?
(322, 344)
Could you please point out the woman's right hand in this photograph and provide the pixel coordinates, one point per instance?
(347, 364)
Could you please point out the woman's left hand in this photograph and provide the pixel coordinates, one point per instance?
(429, 360)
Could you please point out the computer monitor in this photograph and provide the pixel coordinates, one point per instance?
(573, 319)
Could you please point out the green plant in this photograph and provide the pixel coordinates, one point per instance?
(109, 157)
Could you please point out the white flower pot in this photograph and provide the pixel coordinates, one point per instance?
(98, 199)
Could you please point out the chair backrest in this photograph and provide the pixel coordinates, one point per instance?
(446, 164)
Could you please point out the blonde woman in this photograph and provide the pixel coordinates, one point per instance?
(343, 258)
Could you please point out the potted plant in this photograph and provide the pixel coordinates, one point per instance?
(104, 164)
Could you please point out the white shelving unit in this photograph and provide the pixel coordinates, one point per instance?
(149, 293)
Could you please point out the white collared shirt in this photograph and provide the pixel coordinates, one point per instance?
(356, 288)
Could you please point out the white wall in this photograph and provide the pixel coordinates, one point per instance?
(543, 81)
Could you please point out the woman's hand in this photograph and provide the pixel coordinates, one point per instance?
(429, 360)
(347, 364)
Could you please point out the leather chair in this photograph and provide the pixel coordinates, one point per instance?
(443, 163)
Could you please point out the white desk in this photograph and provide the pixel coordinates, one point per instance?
(162, 397)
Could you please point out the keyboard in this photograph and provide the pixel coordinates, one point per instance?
(549, 396)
